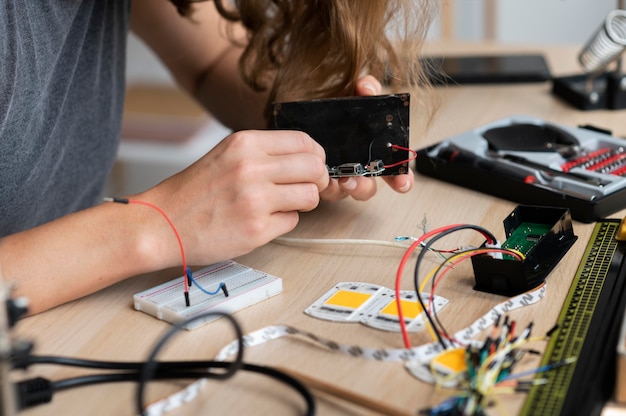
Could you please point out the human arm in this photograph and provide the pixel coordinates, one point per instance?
(201, 58)
(204, 62)
(241, 195)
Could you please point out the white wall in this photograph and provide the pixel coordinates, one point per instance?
(552, 21)
(532, 21)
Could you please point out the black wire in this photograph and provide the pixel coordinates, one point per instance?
(149, 367)
(159, 374)
(425, 248)
(142, 372)
(82, 363)
(432, 289)
(433, 280)
(166, 371)
(287, 379)
(121, 365)
(92, 379)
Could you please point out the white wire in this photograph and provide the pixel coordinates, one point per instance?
(338, 241)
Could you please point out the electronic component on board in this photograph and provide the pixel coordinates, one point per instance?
(375, 168)
(542, 235)
(362, 136)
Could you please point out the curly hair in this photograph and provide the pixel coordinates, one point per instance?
(319, 48)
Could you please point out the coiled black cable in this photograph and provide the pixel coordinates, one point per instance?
(39, 390)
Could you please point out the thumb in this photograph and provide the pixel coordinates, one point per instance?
(367, 86)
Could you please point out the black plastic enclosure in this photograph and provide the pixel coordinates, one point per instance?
(510, 277)
(355, 132)
(607, 91)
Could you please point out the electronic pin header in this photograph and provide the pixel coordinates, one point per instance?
(587, 330)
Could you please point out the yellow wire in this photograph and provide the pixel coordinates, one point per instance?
(519, 253)
(467, 253)
(451, 259)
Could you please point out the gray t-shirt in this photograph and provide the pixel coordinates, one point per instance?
(61, 99)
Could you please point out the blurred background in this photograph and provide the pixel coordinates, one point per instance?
(526, 21)
(164, 131)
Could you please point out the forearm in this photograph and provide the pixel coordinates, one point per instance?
(217, 217)
(223, 93)
(202, 59)
(84, 252)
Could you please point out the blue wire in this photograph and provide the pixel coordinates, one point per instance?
(203, 290)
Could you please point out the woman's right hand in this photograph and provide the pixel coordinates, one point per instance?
(245, 192)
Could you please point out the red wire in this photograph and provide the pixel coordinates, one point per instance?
(431, 296)
(413, 157)
(180, 241)
(405, 258)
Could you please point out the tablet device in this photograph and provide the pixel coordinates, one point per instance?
(486, 69)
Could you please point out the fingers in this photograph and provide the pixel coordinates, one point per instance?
(400, 183)
(279, 157)
(363, 188)
(284, 142)
(246, 191)
(298, 197)
(358, 187)
(333, 192)
(368, 86)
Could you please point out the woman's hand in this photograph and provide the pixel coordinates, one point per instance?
(244, 193)
(360, 187)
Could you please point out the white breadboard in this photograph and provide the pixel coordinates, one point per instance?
(245, 286)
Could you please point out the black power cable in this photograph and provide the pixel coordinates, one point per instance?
(40, 390)
(148, 369)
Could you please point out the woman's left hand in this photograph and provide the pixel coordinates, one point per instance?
(360, 187)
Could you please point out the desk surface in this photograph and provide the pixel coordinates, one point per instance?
(105, 326)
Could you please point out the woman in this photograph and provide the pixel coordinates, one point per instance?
(62, 84)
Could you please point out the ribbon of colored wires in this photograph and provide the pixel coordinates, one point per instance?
(433, 236)
(491, 239)
(437, 274)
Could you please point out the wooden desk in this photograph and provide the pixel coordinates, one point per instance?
(105, 326)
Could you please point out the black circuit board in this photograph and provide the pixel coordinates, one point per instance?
(360, 135)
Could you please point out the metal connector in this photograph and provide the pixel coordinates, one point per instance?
(8, 403)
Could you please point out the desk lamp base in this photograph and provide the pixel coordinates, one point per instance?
(608, 91)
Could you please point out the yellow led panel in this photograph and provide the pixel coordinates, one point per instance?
(450, 361)
(372, 305)
(410, 309)
(348, 299)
